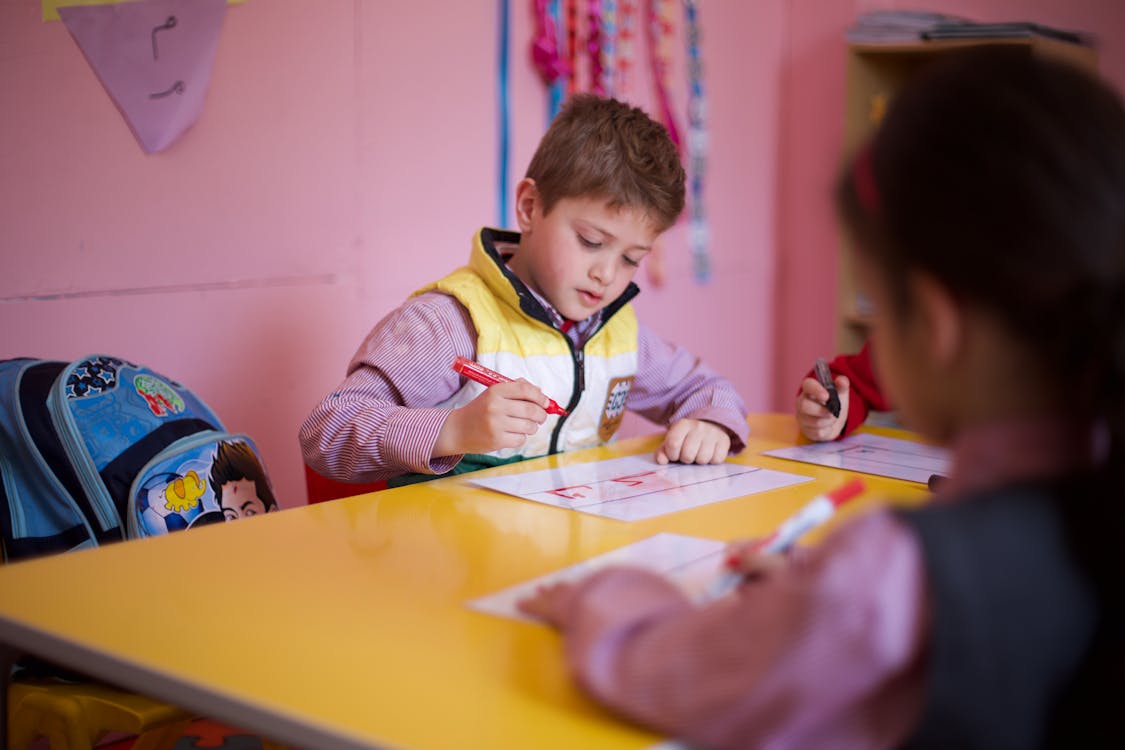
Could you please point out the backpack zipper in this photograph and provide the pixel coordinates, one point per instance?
(88, 476)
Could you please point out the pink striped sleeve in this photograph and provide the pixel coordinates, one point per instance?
(826, 653)
(673, 384)
(380, 422)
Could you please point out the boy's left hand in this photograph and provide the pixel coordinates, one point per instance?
(548, 603)
(694, 441)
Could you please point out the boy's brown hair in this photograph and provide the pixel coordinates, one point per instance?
(604, 148)
(234, 461)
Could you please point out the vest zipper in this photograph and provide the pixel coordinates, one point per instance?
(578, 355)
(579, 386)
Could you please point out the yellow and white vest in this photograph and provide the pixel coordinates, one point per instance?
(513, 342)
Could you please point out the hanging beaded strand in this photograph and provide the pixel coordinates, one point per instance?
(594, 45)
(572, 46)
(659, 26)
(609, 47)
(626, 36)
(699, 234)
(545, 53)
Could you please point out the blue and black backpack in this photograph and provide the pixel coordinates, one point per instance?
(101, 450)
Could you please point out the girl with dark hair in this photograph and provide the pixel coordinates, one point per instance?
(988, 217)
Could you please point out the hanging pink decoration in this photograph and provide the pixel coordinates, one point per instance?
(594, 45)
(572, 46)
(153, 58)
(626, 37)
(545, 46)
(608, 64)
(659, 26)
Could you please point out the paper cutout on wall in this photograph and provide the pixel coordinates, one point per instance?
(51, 7)
(154, 57)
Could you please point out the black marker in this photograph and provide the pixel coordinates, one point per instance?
(935, 482)
(824, 376)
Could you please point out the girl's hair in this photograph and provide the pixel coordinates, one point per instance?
(603, 148)
(1002, 175)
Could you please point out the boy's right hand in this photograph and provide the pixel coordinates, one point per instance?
(816, 422)
(503, 416)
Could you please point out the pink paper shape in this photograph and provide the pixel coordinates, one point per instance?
(154, 57)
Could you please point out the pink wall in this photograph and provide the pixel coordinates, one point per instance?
(345, 156)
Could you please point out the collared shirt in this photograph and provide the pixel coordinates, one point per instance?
(828, 652)
(578, 331)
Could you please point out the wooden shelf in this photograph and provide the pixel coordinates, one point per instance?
(874, 74)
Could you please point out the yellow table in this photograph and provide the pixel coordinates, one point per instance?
(344, 625)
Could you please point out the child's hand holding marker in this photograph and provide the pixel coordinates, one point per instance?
(822, 404)
(747, 560)
(501, 417)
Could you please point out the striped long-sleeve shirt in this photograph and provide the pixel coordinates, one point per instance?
(827, 652)
(381, 421)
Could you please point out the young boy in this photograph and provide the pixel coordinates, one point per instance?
(549, 307)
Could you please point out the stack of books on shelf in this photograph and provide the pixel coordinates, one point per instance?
(886, 26)
(896, 25)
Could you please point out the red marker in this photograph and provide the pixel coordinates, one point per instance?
(477, 372)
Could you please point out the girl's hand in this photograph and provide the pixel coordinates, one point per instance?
(694, 441)
(744, 558)
(548, 603)
(816, 422)
(501, 417)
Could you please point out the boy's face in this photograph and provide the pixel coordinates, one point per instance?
(582, 254)
(240, 500)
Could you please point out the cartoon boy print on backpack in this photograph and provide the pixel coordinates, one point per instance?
(614, 410)
(208, 483)
(239, 482)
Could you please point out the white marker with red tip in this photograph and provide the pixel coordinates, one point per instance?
(816, 512)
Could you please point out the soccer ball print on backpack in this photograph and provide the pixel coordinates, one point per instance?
(102, 449)
(216, 480)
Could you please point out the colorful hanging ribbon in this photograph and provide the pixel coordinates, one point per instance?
(545, 53)
(504, 115)
(594, 45)
(626, 35)
(699, 234)
(607, 63)
(659, 28)
(572, 46)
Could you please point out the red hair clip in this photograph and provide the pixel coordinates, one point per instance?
(863, 180)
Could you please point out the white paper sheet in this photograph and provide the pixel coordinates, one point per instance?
(693, 563)
(873, 454)
(635, 487)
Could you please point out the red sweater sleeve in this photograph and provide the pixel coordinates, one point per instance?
(865, 395)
